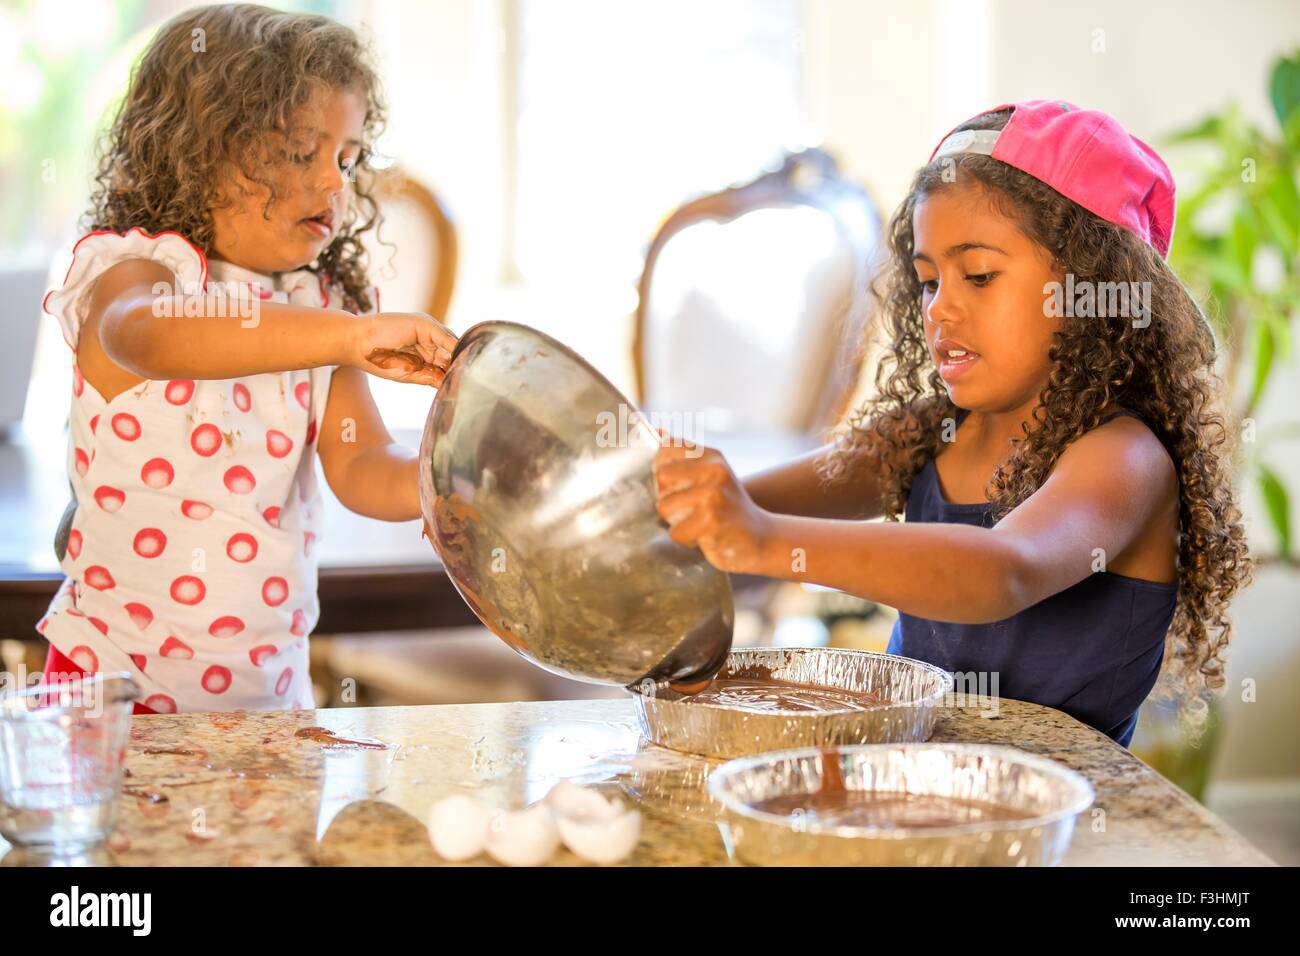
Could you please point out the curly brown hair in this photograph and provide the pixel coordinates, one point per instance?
(201, 104)
(1163, 372)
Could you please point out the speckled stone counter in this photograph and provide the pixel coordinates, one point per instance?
(247, 789)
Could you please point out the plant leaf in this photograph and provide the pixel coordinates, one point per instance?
(1284, 88)
(1281, 326)
(1275, 501)
(1285, 194)
(1208, 128)
(1226, 273)
(1281, 228)
(1264, 354)
(1291, 134)
(1241, 240)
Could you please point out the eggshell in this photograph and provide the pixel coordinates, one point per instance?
(458, 827)
(570, 800)
(594, 828)
(523, 837)
(602, 841)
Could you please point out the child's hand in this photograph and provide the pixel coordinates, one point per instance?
(403, 347)
(706, 506)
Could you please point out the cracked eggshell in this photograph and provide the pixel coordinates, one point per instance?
(595, 829)
(458, 827)
(523, 837)
(570, 800)
(602, 841)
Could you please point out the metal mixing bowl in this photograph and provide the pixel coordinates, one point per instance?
(537, 492)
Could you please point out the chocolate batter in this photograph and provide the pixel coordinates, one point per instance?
(859, 808)
(771, 695)
(833, 804)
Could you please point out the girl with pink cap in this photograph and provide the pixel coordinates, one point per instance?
(1063, 462)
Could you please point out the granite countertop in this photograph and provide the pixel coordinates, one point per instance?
(247, 789)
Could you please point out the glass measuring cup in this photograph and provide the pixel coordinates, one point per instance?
(62, 748)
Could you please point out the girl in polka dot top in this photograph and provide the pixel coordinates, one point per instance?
(221, 331)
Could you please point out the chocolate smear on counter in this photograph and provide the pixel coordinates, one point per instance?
(328, 738)
(151, 795)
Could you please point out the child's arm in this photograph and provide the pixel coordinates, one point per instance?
(795, 488)
(1108, 489)
(369, 472)
(164, 337)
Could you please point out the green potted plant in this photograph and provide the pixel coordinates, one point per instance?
(1237, 246)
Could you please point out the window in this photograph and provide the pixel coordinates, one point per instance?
(68, 63)
(624, 110)
(560, 132)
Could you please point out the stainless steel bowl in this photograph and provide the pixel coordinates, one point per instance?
(537, 491)
(1045, 796)
(915, 691)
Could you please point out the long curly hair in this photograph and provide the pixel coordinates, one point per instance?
(212, 86)
(1163, 372)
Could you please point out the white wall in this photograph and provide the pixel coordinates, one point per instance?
(887, 80)
(443, 69)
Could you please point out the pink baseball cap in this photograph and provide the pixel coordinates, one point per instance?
(1085, 155)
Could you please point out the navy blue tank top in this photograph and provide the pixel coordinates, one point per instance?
(1092, 650)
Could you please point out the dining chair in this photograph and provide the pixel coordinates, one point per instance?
(752, 301)
(750, 319)
(413, 256)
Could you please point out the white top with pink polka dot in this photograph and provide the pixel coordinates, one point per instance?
(191, 560)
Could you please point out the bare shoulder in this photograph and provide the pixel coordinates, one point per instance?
(134, 272)
(126, 276)
(1127, 454)
(117, 286)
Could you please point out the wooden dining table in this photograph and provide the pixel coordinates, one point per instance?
(374, 575)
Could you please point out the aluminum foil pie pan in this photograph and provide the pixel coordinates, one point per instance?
(899, 787)
(914, 691)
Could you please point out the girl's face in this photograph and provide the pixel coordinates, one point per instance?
(982, 297)
(312, 191)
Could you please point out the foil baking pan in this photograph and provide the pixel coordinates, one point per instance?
(914, 690)
(1044, 797)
